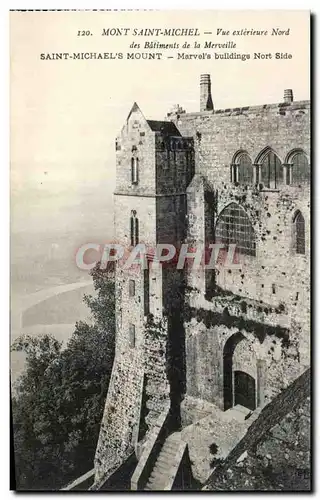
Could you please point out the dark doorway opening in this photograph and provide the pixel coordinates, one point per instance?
(244, 390)
(228, 351)
(238, 387)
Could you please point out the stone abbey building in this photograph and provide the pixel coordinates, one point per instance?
(188, 340)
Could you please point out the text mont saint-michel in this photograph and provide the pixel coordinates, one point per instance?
(190, 32)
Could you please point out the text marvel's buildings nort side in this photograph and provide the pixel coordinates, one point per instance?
(228, 337)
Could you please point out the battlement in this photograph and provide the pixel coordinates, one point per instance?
(207, 108)
(275, 108)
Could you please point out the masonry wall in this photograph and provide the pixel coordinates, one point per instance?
(275, 263)
(129, 309)
(157, 388)
(174, 163)
(205, 351)
(283, 128)
(184, 183)
(277, 277)
(146, 213)
(136, 140)
(174, 170)
(171, 219)
(220, 135)
(120, 423)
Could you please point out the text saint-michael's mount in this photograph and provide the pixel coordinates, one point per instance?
(150, 32)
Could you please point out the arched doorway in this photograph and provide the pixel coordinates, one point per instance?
(239, 387)
(244, 390)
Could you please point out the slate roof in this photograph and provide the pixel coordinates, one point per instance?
(167, 128)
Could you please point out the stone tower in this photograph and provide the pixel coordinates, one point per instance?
(154, 165)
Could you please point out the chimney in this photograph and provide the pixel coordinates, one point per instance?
(205, 93)
(288, 95)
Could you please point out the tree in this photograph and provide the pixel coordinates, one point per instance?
(59, 400)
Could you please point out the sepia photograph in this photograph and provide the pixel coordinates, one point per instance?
(160, 244)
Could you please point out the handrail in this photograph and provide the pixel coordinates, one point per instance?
(79, 481)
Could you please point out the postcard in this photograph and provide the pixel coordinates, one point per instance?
(160, 250)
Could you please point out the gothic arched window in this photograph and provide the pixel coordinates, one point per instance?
(271, 171)
(243, 169)
(134, 229)
(234, 226)
(300, 171)
(299, 233)
(134, 170)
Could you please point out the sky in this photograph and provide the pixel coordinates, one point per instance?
(65, 115)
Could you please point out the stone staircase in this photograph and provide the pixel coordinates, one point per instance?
(172, 467)
(166, 464)
(222, 428)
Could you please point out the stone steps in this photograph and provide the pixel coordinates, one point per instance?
(161, 471)
(237, 413)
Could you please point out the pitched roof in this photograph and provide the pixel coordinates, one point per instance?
(168, 128)
(134, 108)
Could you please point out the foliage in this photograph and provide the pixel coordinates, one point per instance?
(58, 403)
(213, 448)
(259, 329)
(155, 328)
